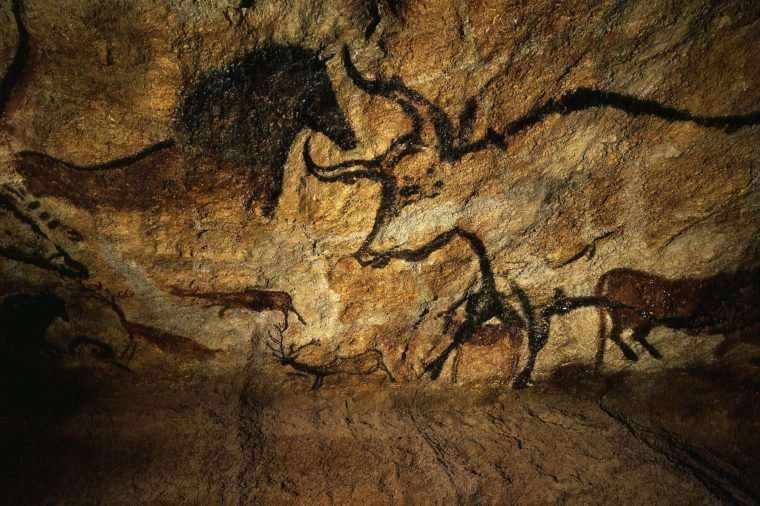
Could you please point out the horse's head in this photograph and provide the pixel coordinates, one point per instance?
(319, 109)
(260, 101)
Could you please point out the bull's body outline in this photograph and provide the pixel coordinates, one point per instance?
(487, 302)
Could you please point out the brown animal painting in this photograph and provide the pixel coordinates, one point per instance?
(498, 345)
(727, 303)
(249, 299)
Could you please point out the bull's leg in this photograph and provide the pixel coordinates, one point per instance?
(455, 365)
(436, 366)
(602, 339)
(538, 336)
(640, 334)
(615, 337)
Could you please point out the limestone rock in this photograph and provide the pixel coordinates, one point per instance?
(401, 170)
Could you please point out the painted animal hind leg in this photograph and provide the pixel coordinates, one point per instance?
(640, 334)
(615, 337)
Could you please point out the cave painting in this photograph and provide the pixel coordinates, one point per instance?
(421, 188)
(234, 113)
(244, 115)
(249, 299)
(26, 231)
(361, 364)
(727, 303)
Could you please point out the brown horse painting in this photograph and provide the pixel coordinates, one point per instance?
(726, 303)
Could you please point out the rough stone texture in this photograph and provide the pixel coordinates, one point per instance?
(165, 172)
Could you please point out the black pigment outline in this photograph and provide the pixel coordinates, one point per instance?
(487, 302)
(313, 105)
(289, 357)
(69, 268)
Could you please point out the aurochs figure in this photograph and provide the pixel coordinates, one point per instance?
(727, 303)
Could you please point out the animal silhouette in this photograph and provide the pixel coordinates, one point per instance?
(412, 170)
(245, 115)
(361, 364)
(727, 303)
(249, 299)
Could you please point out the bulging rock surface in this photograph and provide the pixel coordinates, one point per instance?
(385, 191)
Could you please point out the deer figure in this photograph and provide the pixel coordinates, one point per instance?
(249, 299)
(363, 364)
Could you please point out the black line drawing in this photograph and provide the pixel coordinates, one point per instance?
(22, 238)
(727, 303)
(451, 145)
(231, 114)
(361, 364)
(538, 321)
(247, 114)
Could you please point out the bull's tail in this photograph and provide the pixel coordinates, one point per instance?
(599, 291)
(116, 163)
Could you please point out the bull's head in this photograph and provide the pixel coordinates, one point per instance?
(411, 172)
(319, 108)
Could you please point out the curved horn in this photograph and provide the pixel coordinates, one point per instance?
(343, 171)
(393, 88)
(372, 168)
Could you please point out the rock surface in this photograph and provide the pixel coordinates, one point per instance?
(362, 192)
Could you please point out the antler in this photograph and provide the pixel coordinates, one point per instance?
(279, 351)
(276, 345)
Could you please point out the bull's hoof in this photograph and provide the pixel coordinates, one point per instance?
(521, 382)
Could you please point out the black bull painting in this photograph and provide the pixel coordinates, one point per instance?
(401, 198)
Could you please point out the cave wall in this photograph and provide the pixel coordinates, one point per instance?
(421, 189)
